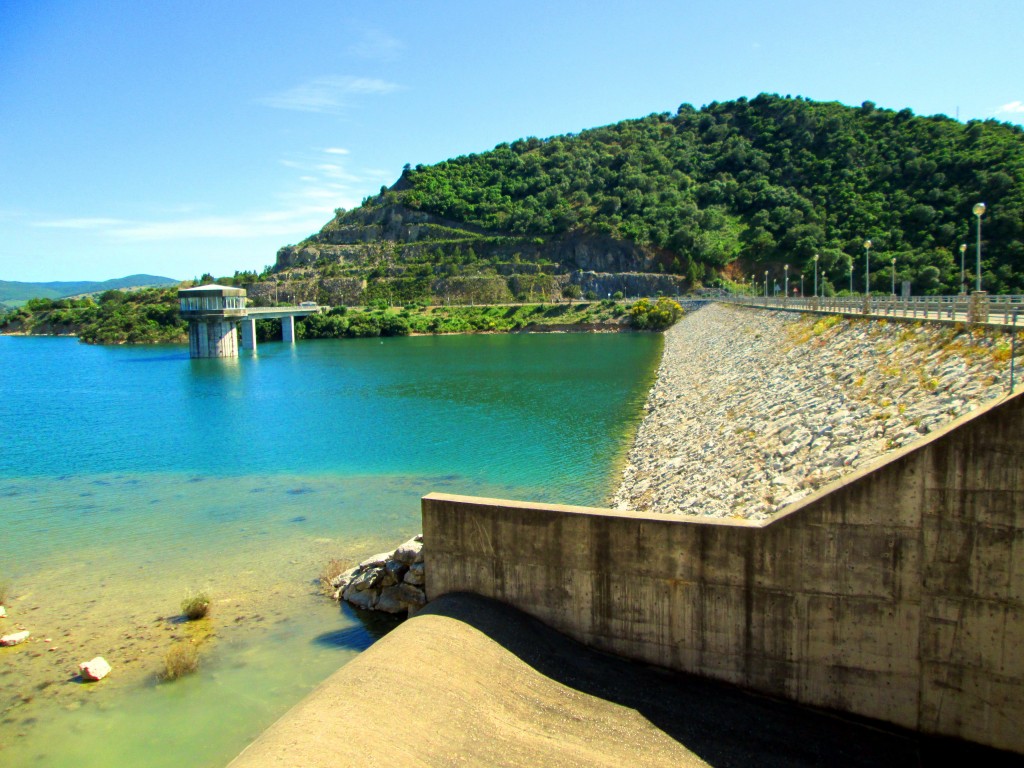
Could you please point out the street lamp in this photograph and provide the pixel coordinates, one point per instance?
(851, 276)
(979, 211)
(785, 284)
(801, 285)
(815, 275)
(893, 275)
(766, 283)
(963, 275)
(867, 274)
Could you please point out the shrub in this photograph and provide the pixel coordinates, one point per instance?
(195, 605)
(618, 296)
(182, 659)
(645, 315)
(329, 573)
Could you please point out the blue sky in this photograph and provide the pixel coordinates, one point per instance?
(176, 138)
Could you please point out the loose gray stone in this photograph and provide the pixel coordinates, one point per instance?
(415, 574)
(408, 552)
(390, 600)
(412, 595)
(749, 403)
(366, 598)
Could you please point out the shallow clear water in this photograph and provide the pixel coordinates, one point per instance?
(131, 475)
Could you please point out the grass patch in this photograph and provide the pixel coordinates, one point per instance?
(1001, 352)
(5, 592)
(329, 573)
(195, 605)
(182, 659)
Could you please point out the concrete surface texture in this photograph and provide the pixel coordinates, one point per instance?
(896, 593)
(472, 682)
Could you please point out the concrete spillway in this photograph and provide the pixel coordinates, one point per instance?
(470, 681)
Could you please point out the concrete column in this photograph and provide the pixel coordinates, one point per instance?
(217, 338)
(288, 329)
(249, 333)
(978, 310)
(203, 329)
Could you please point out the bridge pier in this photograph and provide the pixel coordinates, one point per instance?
(214, 338)
(288, 329)
(248, 325)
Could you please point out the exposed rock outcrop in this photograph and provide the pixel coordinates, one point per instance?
(347, 236)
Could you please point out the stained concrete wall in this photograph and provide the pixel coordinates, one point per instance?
(213, 338)
(897, 594)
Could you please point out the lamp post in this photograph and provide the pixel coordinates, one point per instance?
(785, 283)
(979, 211)
(801, 285)
(815, 275)
(963, 274)
(766, 283)
(893, 276)
(867, 273)
(851, 277)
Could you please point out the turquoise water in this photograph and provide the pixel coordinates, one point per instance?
(129, 476)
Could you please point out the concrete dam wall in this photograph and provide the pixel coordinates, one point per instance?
(896, 593)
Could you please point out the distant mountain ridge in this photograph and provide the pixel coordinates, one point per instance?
(13, 293)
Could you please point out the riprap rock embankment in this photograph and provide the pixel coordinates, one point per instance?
(753, 410)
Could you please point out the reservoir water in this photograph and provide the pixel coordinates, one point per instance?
(131, 475)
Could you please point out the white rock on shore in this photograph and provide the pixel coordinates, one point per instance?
(15, 638)
(94, 669)
(753, 410)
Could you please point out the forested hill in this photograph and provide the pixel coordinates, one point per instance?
(727, 190)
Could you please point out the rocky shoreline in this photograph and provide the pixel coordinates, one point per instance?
(753, 410)
(391, 582)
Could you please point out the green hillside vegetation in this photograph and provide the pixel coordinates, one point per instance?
(145, 316)
(731, 189)
(608, 314)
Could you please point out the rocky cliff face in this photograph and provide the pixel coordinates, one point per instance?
(345, 240)
(466, 289)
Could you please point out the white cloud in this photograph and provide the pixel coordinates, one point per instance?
(300, 209)
(1013, 108)
(336, 151)
(281, 223)
(285, 222)
(80, 223)
(327, 95)
(376, 45)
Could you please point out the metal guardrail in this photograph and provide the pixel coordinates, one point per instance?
(972, 308)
